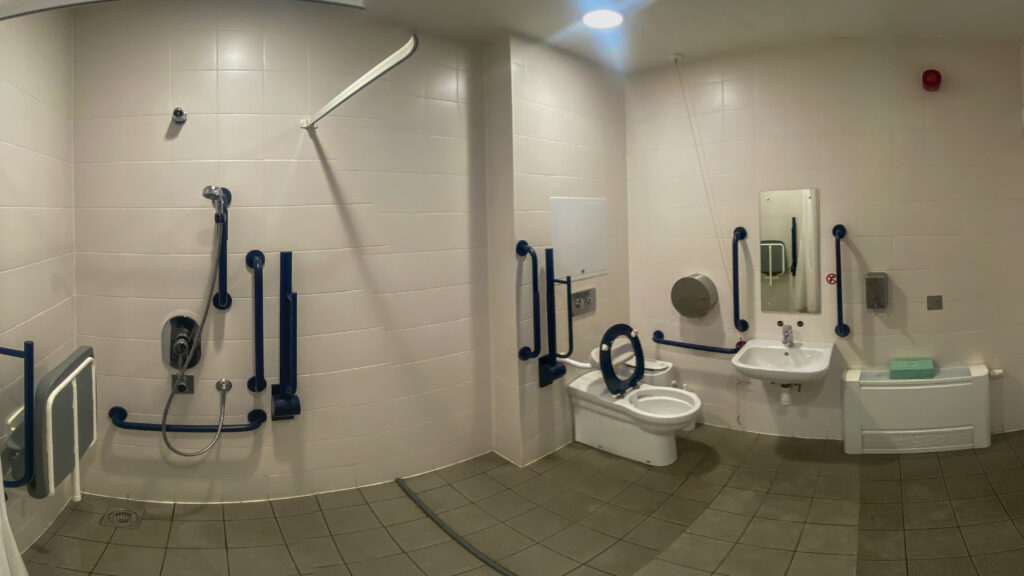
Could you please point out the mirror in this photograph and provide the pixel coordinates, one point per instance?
(789, 252)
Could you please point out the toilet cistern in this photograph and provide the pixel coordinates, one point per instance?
(787, 336)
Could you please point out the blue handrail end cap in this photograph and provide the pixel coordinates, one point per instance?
(254, 257)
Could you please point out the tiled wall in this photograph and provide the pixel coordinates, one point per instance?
(928, 185)
(37, 263)
(568, 127)
(381, 205)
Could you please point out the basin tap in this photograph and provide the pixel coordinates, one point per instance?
(787, 336)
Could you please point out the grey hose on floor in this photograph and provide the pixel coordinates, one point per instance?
(223, 389)
(454, 535)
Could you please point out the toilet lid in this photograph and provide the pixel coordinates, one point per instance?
(615, 384)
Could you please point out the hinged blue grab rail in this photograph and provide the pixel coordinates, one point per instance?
(255, 260)
(842, 329)
(549, 368)
(27, 354)
(286, 403)
(119, 416)
(523, 248)
(740, 233)
(659, 338)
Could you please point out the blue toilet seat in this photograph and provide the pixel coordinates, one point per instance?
(616, 385)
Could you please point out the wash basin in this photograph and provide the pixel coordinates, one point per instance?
(771, 360)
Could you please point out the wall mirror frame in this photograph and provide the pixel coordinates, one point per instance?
(13, 8)
(789, 255)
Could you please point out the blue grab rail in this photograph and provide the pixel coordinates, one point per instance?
(659, 338)
(523, 248)
(549, 368)
(222, 300)
(119, 417)
(740, 233)
(842, 329)
(27, 354)
(255, 260)
(286, 403)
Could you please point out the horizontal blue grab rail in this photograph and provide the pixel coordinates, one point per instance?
(659, 338)
(119, 417)
(842, 329)
(27, 355)
(255, 260)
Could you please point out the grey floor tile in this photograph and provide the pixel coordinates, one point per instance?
(539, 561)
(808, 564)
(366, 545)
(295, 506)
(152, 533)
(443, 499)
(574, 505)
(382, 491)
(745, 502)
(613, 520)
(505, 505)
(120, 560)
(881, 545)
(396, 510)
(1013, 503)
(990, 538)
(828, 539)
(974, 486)
(400, 565)
(196, 562)
(681, 510)
(881, 567)
(832, 511)
(510, 475)
(417, 534)
(780, 507)
(70, 553)
(341, 499)
(85, 526)
(309, 555)
(602, 487)
(197, 534)
(351, 519)
(640, 500)
(979, 511)
(794, 485)
(918, 468)
(479, 487)
(468, 519)
(1000, 564)
(659, 567)
(255, 532)
(884, 491)
(935, 543)
(659, 481)
(540, 489)
(925, 490)
(1011, 480)
(697, 552)
(881, 516)
(460, 471)
(698, 489)
(444, 559)
(157, 510)
(489, 461)
(838, 487)
(263, 561)
(499, 541)
(248, 510)
(720, 525)
(655, 534)
(768, 533)
(303, 527)
(752, 479)
(960, 464)
(93, 503)
(539, 523)
(36, 569)
(918, 515)
(625, 470)
(198, 512)
(962, 566)
(746, 560)
(623, 559)
(420, 483)
(579, 543)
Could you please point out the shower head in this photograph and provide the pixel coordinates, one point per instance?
(219, 197)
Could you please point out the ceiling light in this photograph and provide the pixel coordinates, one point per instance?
(602, 19)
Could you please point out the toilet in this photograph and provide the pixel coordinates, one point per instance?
(623, 414)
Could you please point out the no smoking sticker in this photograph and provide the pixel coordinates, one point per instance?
(832, 278)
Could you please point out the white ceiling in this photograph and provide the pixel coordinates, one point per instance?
(656, 29)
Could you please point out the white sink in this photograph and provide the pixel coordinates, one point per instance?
(772, 361)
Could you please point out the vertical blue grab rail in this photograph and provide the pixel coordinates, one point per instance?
(549, 368)
(255, 260)
(27, 354)
(842, 329)
(222, 300)
(523, 248)
(739, 233)
(286, 403)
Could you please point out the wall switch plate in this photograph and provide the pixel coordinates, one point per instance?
(584, 302)
(934, 302)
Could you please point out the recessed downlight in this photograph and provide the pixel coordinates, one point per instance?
(602, 19)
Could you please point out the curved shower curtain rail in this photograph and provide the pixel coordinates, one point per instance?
(119, 417)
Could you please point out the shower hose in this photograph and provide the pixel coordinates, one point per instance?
(223, 386)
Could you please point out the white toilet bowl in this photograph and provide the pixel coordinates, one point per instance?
(640, 425)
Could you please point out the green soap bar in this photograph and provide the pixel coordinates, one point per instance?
(911, 369)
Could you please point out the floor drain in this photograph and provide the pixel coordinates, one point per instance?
(122, 518)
